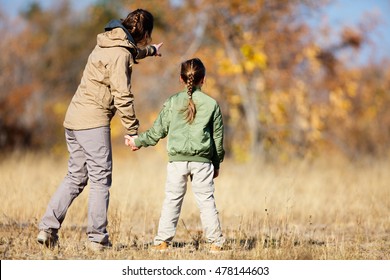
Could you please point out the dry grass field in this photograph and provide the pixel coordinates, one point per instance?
(319, 209)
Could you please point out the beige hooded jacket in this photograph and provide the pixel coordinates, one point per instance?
(105, 86)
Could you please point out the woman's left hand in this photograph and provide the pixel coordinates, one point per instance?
(129, 141)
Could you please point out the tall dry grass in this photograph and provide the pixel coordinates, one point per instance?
(304, 209)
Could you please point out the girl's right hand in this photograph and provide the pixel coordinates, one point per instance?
(216, 173)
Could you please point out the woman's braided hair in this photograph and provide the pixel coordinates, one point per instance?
(192, 73)
(140, 25)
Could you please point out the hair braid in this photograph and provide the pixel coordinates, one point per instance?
(134, 22)
(192, 73)
(190, 85)
(140, 25)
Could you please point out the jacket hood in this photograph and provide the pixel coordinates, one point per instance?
(116, 35)
(118, 24)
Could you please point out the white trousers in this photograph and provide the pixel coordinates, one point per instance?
(201, 175)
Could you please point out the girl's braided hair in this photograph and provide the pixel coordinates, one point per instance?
(192, 73)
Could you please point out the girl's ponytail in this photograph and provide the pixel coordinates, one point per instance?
(192, 73)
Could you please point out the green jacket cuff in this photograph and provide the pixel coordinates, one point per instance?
(137, 142)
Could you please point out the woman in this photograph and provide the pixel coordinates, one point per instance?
(105, 89)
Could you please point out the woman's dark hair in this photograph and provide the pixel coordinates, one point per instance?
(192, 73)
(140, 25)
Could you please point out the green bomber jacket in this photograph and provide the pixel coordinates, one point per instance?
(200, 141)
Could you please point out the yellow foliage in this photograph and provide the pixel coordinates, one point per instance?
(253, 58)
(340, 102)
(234, 114)
(316, 124)
(249, 66)
(225, 66)
(371, 113)
(302, 122)
(314, 135)
(228, 68)
(316, 120)
(235, 100)
(277, 105)
(211, 88)
(260, 60)
(247, 51)
(311, 53)
(351, 88)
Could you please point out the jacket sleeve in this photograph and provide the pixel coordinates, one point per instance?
(218, 132)
(147, 51)
(120, 85)
(158, 131)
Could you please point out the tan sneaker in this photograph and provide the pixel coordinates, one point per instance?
(49, 239)
(163, 246)
(215, 249)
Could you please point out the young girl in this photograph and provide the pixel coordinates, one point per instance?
(104, 90)
(192, 121)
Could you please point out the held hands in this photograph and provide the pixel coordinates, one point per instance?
(129, 141)
(157, 46)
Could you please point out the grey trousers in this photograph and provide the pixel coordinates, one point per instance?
(90, 159)
(201, 175)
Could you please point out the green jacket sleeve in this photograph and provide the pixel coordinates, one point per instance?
(158, 131)
(218, 132)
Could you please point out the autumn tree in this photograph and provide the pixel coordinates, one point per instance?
(43, 54)
(282, 92)
(282, 89)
